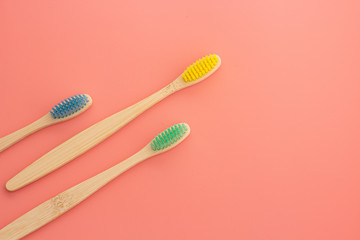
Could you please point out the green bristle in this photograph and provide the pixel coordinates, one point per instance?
(168, 137)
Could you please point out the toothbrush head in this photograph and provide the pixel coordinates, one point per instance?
(71, 107)
(202, 68)
(170, 137)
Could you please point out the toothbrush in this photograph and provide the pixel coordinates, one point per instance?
(67, 109)
(61, 203)
(95, 134)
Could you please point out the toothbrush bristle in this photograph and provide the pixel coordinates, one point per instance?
(168, 137)
(69, 106)
(200, 68)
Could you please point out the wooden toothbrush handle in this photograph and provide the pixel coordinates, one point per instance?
(14, 137)
(61, 203)
(86, 139)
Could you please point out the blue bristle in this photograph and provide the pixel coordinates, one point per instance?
(74, 106)
(69, 106)
(53, 114)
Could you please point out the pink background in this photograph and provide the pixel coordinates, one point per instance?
(274, 150)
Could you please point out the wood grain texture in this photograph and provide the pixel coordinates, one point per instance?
(61, 203)
(94, 135)
(11, 139)
(47, 120)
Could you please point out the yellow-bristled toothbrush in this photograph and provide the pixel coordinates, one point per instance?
(61, 203)
(63, 111)
(95, 134)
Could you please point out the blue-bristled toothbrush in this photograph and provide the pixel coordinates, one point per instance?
(65, 110)
(56, 206)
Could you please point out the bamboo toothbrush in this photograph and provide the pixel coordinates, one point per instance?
(95, 134)
(67, 109)
(56, 206)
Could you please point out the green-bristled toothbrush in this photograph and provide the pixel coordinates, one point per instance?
(61, 203)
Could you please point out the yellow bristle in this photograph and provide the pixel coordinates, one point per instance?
(214, 58)
(188, 76)
(203, 65)
(197, 70)
(200, 68)
(207, 64)
(198, 73)
(191, 74)
(208, 58)
(185, 77)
